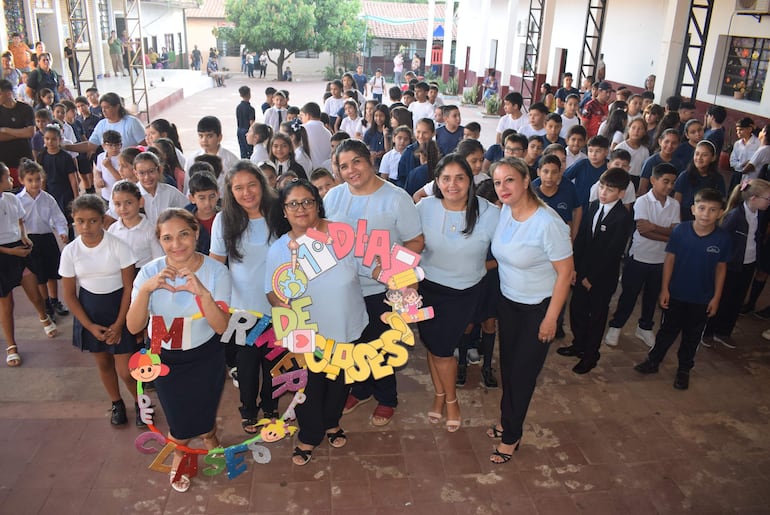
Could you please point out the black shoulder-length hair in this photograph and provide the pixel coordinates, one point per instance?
(279, 224)
(472, 206)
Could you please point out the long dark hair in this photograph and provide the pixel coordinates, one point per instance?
(279, 224)
(712, 172)
(286, 139)
(114, 100)
(235, 220)
(472, 206)
(170, 159)
(169, 129)
(298, 134)
(616, 122)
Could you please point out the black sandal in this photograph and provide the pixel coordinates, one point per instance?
(306, 455)
(272, 415)
(249, 425)
(505, 457)
(493, 432)
(336, 436)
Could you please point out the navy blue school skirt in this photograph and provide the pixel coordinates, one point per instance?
(11, 269)
(489, 297)
(102, 309)
(191, 391)
(44, 258)
(453, 311)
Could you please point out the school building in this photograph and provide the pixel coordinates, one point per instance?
(713, 51)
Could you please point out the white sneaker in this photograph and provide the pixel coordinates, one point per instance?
(724, 340)
(473, 357)
(766, 334)
(456, 354)
(612, 336)
(233, 373)
(647, 336)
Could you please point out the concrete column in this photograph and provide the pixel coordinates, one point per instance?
(429, 35)
(448, 30)
(97, 46)
(507, 49)
(667, 66)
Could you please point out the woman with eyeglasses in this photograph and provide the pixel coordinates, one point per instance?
(241, 237)
(338, 309)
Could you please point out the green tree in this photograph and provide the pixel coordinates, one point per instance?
(292, 25)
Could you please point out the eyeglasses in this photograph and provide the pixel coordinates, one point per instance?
(294, 205)
(513, 150)
(145, 173)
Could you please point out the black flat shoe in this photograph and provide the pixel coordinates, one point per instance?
(584, 366)
(488, 378)
(569, 351)
(646, 367)
(682, 381)
(118, 417)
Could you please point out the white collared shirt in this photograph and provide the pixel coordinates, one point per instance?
(165, 196)
(604, 210)
(752, 217)
(647, 207)
(141, 238)
(42, 214)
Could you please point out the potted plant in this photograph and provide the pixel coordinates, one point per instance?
(739, 89)
(471, 95)
(493, 105)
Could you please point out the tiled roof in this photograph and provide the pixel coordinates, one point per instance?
(209, 9)
(393, 20)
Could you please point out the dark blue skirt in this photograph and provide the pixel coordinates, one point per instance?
(11, 269)
(191, 391)
(102, 309)
(453, 311)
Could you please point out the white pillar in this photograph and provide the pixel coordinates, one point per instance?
(507, 47)
(448, 30)
(429, 38)
(544, 53)
(97, 46)
(667, 66)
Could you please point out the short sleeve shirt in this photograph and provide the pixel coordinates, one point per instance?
(389, 208)
(525, 252)
(696, 259)
(97, 269)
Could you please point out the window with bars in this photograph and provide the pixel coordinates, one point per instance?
(169, 38)
(746, 68)
(104, 19)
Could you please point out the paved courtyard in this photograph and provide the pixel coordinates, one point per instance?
(608, 442)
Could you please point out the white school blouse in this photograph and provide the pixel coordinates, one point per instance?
(97, 269)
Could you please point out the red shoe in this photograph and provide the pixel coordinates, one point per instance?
(352, 403)
(382, 415)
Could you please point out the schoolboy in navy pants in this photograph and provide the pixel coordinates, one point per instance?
(598, 250)
(693, 277)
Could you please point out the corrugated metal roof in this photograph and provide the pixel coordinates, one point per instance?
(209, 9)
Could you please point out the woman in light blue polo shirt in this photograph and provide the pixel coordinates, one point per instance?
(458, 227)
(534, 255)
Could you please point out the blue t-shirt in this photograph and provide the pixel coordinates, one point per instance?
(450, 257)
(181, 304)
(696, 259)
(338, 305)
(683, 154)
(389, 208)
(688, 190)
(254, 243)
(407, 162)
(563, 201)
(494, 153)
(584, 175)
(417, 178)
(447, 141)
(525, 252)
(559, 141)
(654, 160)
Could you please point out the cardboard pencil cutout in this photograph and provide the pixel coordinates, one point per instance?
(293, 339)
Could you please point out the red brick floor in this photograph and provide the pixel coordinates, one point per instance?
(609, 442)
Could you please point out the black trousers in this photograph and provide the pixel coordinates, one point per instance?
(322, 408)
(384, 390)
(251, 361)
(522, 357)
(680, 317)
(588, 312)
(244, 146)
(638, 277)
(736, 286)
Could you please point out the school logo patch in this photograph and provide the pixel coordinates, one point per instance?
(561, 206)
(713, 249)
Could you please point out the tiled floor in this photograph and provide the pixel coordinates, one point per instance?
(608, 442)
